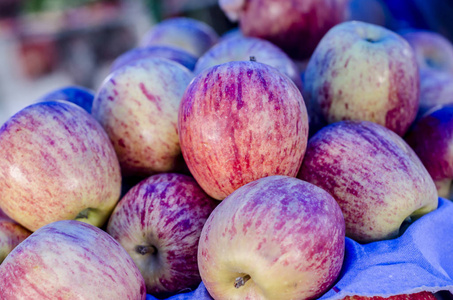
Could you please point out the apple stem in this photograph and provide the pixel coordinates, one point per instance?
(83, 214)
(253, 58)
(240, 281)
(145, 249)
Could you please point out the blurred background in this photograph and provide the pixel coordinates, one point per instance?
(48, 44)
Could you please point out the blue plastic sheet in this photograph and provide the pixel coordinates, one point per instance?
(419, 260)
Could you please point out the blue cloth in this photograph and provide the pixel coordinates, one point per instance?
(419, 260)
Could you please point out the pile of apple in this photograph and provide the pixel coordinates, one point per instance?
(119, 196)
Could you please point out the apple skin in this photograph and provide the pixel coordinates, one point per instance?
(70, 260)
(432, 50)
(376, 178)
(241, 121)
(57, 164)
(415, 296)
(191, 35)
(361, 71)
(294, 26)
(11, 234)
(286, 234)
(165, 212)
(242, 49)
(178, 55)
(78, 95)
(137, 106)
(432, 140)
(436, 90)
(434, 55)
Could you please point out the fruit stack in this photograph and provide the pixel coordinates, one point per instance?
(228, 168)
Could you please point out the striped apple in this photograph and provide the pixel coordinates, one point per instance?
(376, 178)
(275, 238)
(70, 260)
(159, 223)
(241, 121)
(57, 163)
(242, 48)
(295, 26)
(137, 105)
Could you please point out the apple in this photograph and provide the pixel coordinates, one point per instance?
(57, 164)
(414, 296)
(159, 223)
(434, 55)
(137, 105)
(242, 48)
(191, 35)
(376, 178)
(178, 55)
(70, 260)
(436, 90)
(241, 121)
(81, 96)
(274, 238)
(362, 71)
(432, 140)
(432, 50)
(295, 26)
(11, 234)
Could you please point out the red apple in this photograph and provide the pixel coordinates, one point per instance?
(415, 296)
(432, 140)
(70, 260)
(275, 238)
(159, 223)
(243, 48)
(376, 178)
(137, 106)
(295, 26)
(432, 50)
(241, 121)
(434, 55)
(361, 71)
(57, 164)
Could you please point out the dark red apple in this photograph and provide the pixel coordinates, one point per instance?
(415, 296)
(432, 140)
(159, 222)
(296, 26)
